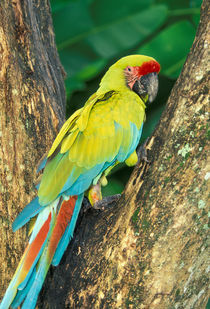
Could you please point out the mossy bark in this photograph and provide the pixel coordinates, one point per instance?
(32, 109)
(150, 249)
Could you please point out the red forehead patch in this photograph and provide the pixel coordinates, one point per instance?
(148, 67)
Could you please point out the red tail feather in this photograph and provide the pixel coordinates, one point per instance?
(36, 244)
(63, 218)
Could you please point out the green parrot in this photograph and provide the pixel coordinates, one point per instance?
(98, 136)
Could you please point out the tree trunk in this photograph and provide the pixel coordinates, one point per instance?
(150, 249)
(32, 109)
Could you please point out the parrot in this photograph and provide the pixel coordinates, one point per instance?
(103, 133)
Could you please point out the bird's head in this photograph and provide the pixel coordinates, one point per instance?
(137, 73)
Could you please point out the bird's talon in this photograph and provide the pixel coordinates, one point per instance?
(102, 204)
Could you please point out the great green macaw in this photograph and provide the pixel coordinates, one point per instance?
(95, 138)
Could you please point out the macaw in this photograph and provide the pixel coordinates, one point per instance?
(103, 133)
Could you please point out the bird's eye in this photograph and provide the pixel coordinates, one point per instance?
(129, 69)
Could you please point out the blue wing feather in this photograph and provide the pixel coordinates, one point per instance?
(41, 165)
(31, 210)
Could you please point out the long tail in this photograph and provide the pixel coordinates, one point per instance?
(51, 234)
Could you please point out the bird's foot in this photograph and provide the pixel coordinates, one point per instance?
(94, 193)
(102, 204)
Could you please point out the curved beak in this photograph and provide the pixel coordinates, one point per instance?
(147, 87)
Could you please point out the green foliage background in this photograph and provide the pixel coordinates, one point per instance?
(92, 34)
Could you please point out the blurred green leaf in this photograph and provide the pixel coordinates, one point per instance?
(92, 69)
(196, 19)
(181, 4)
(124, 33)
(109, 11)
(77, 81)
(153, 116)
(71, 22)
(73, 84)
(60, 4)
(170, 47)
(185, 11)
(79, 66)
(195, 3)
(86, 40)
(114, 187)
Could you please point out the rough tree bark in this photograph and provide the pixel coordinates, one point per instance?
(32, 109)
(150, 249)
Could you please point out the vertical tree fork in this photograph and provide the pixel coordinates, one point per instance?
(150, 249)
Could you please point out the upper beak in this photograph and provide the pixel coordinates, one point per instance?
(147, 87)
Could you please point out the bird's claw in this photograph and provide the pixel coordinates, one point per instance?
(102, 204)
